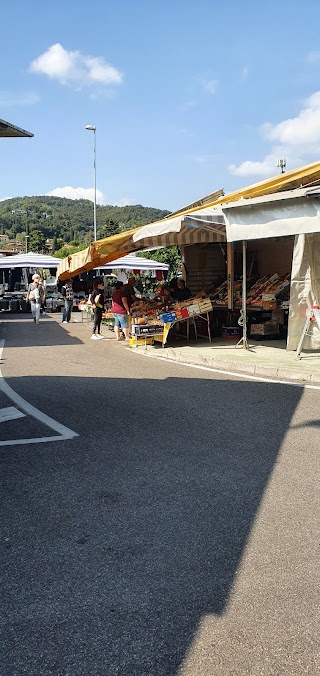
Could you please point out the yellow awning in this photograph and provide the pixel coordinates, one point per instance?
(98, 253)
(108, 249)
(296, 178)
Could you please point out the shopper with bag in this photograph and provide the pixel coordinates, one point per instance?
(34, 296)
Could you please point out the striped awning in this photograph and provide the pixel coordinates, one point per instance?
(30, 260)
(193, 225)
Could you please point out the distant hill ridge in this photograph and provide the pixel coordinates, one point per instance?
(70, 220)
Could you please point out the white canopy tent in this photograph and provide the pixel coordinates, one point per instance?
(131, 262)
(29, 260)
(297, 213)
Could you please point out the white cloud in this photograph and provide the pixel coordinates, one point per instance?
(12, 99)
(301, 130)
(265, 168)
(77, 194)
(244, 73)
(296, 139)
(88, 194)
(75, 69)
(125, 201)
(209, 86)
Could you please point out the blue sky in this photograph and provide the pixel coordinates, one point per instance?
(187, 97)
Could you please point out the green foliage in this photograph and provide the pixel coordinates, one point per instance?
(55, 246)
(169, 254)
(70, 220)
(67, 251)
(110, 228)
(36, 241)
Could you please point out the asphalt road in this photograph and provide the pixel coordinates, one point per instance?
(176, 535)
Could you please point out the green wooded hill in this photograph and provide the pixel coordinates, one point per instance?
(69, 220)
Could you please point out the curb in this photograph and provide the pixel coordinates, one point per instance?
(299, 376)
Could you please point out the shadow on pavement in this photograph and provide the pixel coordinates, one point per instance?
(118, 542)
(25, 333)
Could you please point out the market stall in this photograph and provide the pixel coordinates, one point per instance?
(19, 269)
(203, 229)
(295, 214)
(153, 320)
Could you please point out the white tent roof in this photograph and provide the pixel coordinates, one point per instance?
(292, 212)
(29, 260)
(131, 262)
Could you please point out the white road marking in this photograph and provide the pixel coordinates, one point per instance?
(63, 432)
(10, 413)
(235, 374)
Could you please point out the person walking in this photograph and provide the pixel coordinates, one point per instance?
(34, 297)
(67, 293)
(97, 301)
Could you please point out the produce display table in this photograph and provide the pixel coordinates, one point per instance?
(156, 327)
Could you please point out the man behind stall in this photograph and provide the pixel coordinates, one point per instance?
(183, 292)
(129, 291)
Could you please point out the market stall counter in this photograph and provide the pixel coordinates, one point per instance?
(152, 322)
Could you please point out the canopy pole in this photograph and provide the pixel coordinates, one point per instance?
(243, 316)
(230, 274)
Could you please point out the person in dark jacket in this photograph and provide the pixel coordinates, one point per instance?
(97, 300)
(67, 293)
(183, 293)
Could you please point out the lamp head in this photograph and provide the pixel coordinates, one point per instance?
(90, 127)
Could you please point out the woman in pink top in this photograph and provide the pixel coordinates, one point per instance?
(120, 311)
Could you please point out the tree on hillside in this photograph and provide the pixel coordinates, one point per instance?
(110, 228)
(54, 244)
(37, 241)
(71, 220)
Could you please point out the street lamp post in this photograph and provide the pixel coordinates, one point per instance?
(91, 127)
(27, 237)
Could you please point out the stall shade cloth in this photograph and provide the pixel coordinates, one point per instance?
(304, 290)
(95, 255)
(290, 213)
(106, 250)
(133, 263)
(167, 232)
(29, 260)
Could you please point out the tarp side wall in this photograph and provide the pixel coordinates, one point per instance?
(305, 289)
(299, 216)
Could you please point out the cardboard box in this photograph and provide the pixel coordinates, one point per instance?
(193, 310)
(146, 329)
(269, 304)
(182, 314)
(266, 329)
(278, 316)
